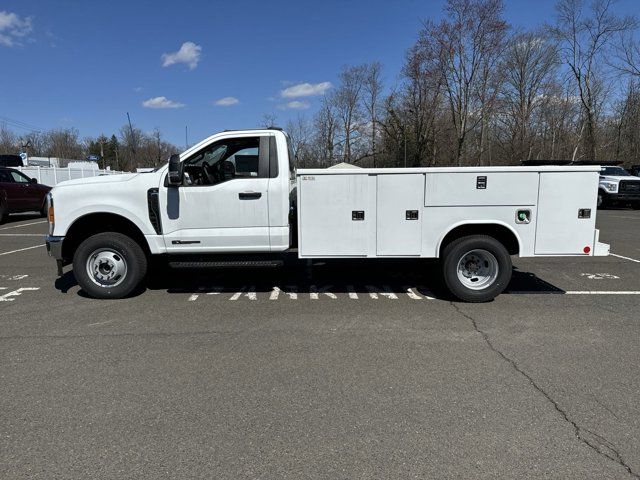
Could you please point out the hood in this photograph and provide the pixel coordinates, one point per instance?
(115, 178)
(616, 178)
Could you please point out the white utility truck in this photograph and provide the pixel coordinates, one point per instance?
(230, 200)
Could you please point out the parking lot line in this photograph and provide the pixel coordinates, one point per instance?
(23, 225)
(21, 250)
(626, 258)
(21, 235)
(603, 292)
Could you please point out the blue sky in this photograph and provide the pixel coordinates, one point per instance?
(86, 63)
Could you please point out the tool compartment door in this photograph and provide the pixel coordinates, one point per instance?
(559, 231)
(399, 214)
(333, 215)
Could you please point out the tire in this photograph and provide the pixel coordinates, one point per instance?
(3, 213)
(472, 283)
(603, 201)
(43, 210)
(119, 264)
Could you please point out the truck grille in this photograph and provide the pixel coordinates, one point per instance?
(629, 186)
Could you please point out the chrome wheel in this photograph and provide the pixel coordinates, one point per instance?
(106, 267)
(477, 269)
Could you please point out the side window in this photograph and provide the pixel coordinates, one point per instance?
(226, 160)
(19, 178)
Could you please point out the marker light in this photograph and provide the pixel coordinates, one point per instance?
(586, 249)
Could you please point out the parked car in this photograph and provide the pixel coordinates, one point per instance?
(10, 161)
(21, 193)
(617, 186)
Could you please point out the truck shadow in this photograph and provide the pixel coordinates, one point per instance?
(365, 277)
(382, 277)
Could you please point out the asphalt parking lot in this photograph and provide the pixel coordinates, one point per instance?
(350, 370)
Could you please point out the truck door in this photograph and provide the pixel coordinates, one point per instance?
(399, 212)
(16, 196)
(30, 193)
(561, 229)
(223, 202)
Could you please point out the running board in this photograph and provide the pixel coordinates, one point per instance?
(228, 264)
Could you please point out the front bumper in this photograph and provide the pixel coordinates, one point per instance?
(54, 246)
(623, 197)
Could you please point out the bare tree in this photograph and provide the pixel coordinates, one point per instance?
(300, 138)
(325, 125)
(464, 49)
(530, 63)
(372, 98)
(585, 40)
(346, 101)
(269, 120)
(8, 140)
(628, 54)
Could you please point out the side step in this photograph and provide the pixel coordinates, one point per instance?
(228, 264)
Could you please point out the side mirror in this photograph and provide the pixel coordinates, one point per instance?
(33, 180)
(174, 177)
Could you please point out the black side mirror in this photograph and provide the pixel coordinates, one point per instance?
(33, 180)
(175, 174)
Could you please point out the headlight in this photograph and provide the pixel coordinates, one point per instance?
(51, 218)
(610, 187)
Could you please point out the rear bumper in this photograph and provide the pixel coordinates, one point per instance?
(600, 249)
(54, 246)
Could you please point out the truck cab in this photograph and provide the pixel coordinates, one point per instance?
(230, 200)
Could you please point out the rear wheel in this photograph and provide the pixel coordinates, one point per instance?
(476, 268)
(109, 265)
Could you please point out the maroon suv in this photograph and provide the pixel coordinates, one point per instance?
(19, 193)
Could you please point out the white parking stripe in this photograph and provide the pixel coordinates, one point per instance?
(316, 292)
(21, 249)
(15, 293)
(21, 235)
(411, 293)
(603, 292)
(626, 258)
(23, 225)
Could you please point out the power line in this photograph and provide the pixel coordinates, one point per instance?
(20, 124)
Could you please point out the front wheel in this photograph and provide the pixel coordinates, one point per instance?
(476, 268)
(109, 265)
(602, 199)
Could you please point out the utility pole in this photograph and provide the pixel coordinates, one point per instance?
(133, 148)
(104, 165)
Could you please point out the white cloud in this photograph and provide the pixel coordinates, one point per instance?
(189, 54)
(305, 90)
(161, 102)
(13, 27)
(294, 105)
(227, 101)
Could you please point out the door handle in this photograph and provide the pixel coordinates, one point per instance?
(249, 195)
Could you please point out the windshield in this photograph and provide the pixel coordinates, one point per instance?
(614, 171)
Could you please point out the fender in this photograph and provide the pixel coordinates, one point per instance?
(477, 222)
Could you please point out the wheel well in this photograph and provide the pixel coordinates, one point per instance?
(94, 223)
(501, 233)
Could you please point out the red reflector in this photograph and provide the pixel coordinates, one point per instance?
(586, 249)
